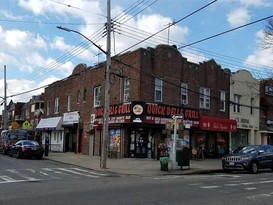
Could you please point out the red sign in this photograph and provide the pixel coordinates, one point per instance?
(217, 124)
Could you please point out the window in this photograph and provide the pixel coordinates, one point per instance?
(158, 90)
(251, 105)
(97, 96)
(33, 108)
(56, 105)
(84, 94)
(236, 104)
(126, 90)
(68, 103)
(47, 107)
(204, 98)
(78, 96)
(184, 94)
(222, 101)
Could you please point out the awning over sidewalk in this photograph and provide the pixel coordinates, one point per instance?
(53, 123)
(217, 124)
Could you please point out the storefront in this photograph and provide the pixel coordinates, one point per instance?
(51, 128)
(213, 136)
(138, 127)
(72, 132)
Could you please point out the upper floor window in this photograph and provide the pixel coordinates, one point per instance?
(126, 90)
(236, 104)
(47, 107)
(251, 106)
(32, 108)
(158, 90)
(184, 93)
(222, 101)
(69, 103)
(204, 98)
(97, 96)
(78, 96)
(84, 94)
(56, 105)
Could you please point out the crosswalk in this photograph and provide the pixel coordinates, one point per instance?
(41, 174)
(224, 183)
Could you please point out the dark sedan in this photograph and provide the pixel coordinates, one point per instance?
(250, 158)
(26, 148)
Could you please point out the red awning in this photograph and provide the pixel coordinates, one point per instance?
(217, 124)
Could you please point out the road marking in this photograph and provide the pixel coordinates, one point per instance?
(28, 178)
(210, 187)
(250, 188)
(77, 173)
(35, 172)
(82, 170)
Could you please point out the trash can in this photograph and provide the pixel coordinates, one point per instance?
(183, 157)
(164, 161)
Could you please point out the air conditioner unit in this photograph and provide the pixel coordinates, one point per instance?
(184, 102)
(126, 98)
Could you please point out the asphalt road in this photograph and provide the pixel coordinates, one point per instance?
(46, 182)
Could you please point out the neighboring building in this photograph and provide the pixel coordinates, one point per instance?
(244, 108)
(148, 87)
(266, 111)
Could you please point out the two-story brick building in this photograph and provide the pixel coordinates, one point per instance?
(148, 87)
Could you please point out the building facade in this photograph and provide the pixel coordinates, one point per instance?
(245, 108)
(148, 87)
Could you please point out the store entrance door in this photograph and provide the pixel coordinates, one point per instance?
(141, 145)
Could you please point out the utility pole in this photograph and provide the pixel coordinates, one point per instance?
(105, 137)
(105, 132)
(5, 99)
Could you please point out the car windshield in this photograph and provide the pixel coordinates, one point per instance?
(246, 150)
(30, 143)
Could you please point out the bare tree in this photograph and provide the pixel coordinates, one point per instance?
(267, 40)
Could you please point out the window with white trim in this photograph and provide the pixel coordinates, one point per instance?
(236, 103)
(158, 90)
(97, 96)
(126, 90)
(47, 107)
(204, 98)
(184, 93)
(222, 101)
(69, 103)
(56, 105)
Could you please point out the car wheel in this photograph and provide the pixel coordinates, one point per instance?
(254, 168)
(18, 155)
(10, 153)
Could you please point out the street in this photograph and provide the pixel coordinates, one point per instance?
(31, 181)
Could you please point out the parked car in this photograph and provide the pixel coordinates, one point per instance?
(26, 148)
(10, 137)
(250, 158)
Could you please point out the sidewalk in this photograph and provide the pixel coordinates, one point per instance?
(134, 166)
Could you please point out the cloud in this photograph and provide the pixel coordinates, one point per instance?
(264, 3)
(238, 17)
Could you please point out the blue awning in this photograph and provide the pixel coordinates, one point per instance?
(53, 123)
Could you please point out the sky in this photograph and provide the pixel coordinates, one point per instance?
(36, 53)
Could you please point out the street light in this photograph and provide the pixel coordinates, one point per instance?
(104, 146)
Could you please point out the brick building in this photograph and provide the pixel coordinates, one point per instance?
(266, 111)
(148, 87)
